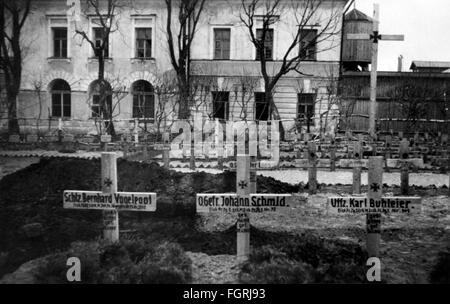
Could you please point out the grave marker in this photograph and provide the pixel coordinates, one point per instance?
(109, 199)
(14, 138)
(32, 138)
(312, 167)
(136, 133)
(333, 155)
(166, 152)
(374, 204)
(104, 140)
(242, 202)
(404, 166)
(357, 155)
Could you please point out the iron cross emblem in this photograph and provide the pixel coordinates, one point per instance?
(242, 184)
(374, 187)
(108, 182)
(375, 37)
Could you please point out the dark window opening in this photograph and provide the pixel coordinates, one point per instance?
(262, 108)
(143, 100)
(143, 43)
(61, 99)
(221, 105)
(305, 108)
(97, 107)
(308, 44)
(60, 42)
(268, 43)
(98, 40)
(222, 44)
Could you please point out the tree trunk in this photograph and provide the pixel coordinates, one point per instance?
(184, 109)
(273, 113)
(106, 113)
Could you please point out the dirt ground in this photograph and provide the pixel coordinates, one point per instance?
(409, 244)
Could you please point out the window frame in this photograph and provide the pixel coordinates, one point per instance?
(60, 43)
(136, 39)
(143, 95)
(53, 22)
(97, 105)
(61, 94)
(314, 55)
(269, 110)
(143, 21)
(305, 106)
(216, 100)
(272, 58)
(94, 40)
(221, 28)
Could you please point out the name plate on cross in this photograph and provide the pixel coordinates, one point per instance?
(358, 205)
(122, 201)
(231, 202)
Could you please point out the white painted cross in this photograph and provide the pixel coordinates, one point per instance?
(374, 204)
(109, 200)
(374, 37)
(242, 202)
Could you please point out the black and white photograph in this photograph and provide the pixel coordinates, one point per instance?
(226, 147)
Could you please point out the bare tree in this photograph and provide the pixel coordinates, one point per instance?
(244, 90)
(330, 99)
(13, 15)
(189, 12)
(105, 15)
(166, 91)
(114, 91)
(259, 17)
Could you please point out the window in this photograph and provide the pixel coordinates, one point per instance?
(220, 104)
(308, 44)
(143, 100)
(98, 40)
(305, 108)
(222, 43)
(101, 108)
(143, 42)
(268, 43)
(60, 99)
(96, 106)
(60, 42)
(262, 109)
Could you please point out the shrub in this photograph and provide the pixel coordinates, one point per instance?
(126, 262)
(267, 265)
(441, 271)
(303, 262)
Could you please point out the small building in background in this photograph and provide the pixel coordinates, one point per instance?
(430, 66)
(414, 101)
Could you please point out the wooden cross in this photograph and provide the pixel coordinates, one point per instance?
(242, 202)
(357, 165)
(374, 37)
(374, 205)
(109, 200)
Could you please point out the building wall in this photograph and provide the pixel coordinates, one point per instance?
(39, 69)
(407, 102)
